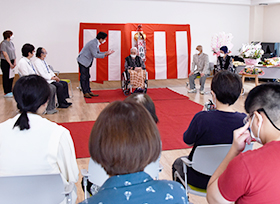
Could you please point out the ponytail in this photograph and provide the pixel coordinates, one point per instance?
(30, 92)
(22, 121)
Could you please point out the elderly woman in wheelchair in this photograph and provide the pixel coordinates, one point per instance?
(135, 75)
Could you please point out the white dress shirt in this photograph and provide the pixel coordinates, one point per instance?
(43, 70)
(25, 67)
(45, 148)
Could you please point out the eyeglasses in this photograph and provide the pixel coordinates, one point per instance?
(246, 119)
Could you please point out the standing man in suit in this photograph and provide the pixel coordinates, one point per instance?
(201, 61)
(85, 59)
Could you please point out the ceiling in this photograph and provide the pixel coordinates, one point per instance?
(236, 2)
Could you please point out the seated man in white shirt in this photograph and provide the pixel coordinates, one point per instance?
(44, 71)
(25, 67)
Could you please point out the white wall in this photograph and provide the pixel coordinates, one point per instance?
(271, 23)
(54, 24)
(256, 23)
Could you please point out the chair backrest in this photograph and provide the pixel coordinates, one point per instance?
(32, 189)
(207, 158)
(98, 175)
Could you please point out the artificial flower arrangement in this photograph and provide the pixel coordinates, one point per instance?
(275, 61)
(219, 40)
(252, 51)
(252, 70)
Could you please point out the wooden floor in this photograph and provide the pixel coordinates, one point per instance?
(80, 111)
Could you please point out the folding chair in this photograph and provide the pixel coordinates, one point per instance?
(206, 160)
(34, 189)
(97, 175)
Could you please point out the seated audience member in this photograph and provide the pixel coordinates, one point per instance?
(224, 61)
(201, 61)
(31, 144)
(25, 67)
(146, 101)
(136, 68)
(44, 71)
(125, 139)
(213, 127)
(253, 176)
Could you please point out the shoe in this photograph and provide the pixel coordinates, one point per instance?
(92, 94)
(87, 95)
(69, 104)
(8, 95)
(202, 92)
(192, 91)
(63, 105)
(53, 111)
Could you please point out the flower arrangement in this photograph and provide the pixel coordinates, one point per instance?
(275, 61)
(252, 70)
(252, 51)
(219, 40)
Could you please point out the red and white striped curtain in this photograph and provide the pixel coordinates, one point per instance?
(167, 49)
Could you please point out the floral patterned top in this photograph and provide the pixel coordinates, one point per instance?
(138, 188)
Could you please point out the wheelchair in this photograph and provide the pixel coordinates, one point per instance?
(127, 87)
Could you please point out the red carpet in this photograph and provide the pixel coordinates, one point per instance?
(107, 96)
(174, 118)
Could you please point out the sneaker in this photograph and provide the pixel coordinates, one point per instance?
(8, 95)
(202, 92)
(192, 91)
(53, 111)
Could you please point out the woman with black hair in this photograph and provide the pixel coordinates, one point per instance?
(224, 61)
(31, 144)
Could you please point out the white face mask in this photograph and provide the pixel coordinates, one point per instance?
(103, 41)
(197, 52)
(222, 54)
(12, 37)
(133, 56)
(258, 139)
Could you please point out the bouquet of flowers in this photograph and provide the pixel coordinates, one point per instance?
(275, 61)
(252, 51)
(252, 70)
(219, 40)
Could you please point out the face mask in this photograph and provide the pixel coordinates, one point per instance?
(258, 139)
(222, 55)
(133, 56)
(197, 52)
(12, 37)
(103, 41)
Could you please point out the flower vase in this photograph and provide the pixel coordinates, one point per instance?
(251, 62)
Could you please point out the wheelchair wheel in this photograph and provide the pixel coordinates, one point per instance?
(126, 92)
(124, 85)
(146, 86)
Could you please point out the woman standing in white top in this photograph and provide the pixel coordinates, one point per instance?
(31, 144)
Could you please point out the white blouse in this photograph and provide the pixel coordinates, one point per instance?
(25, 67)
(45, 148)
